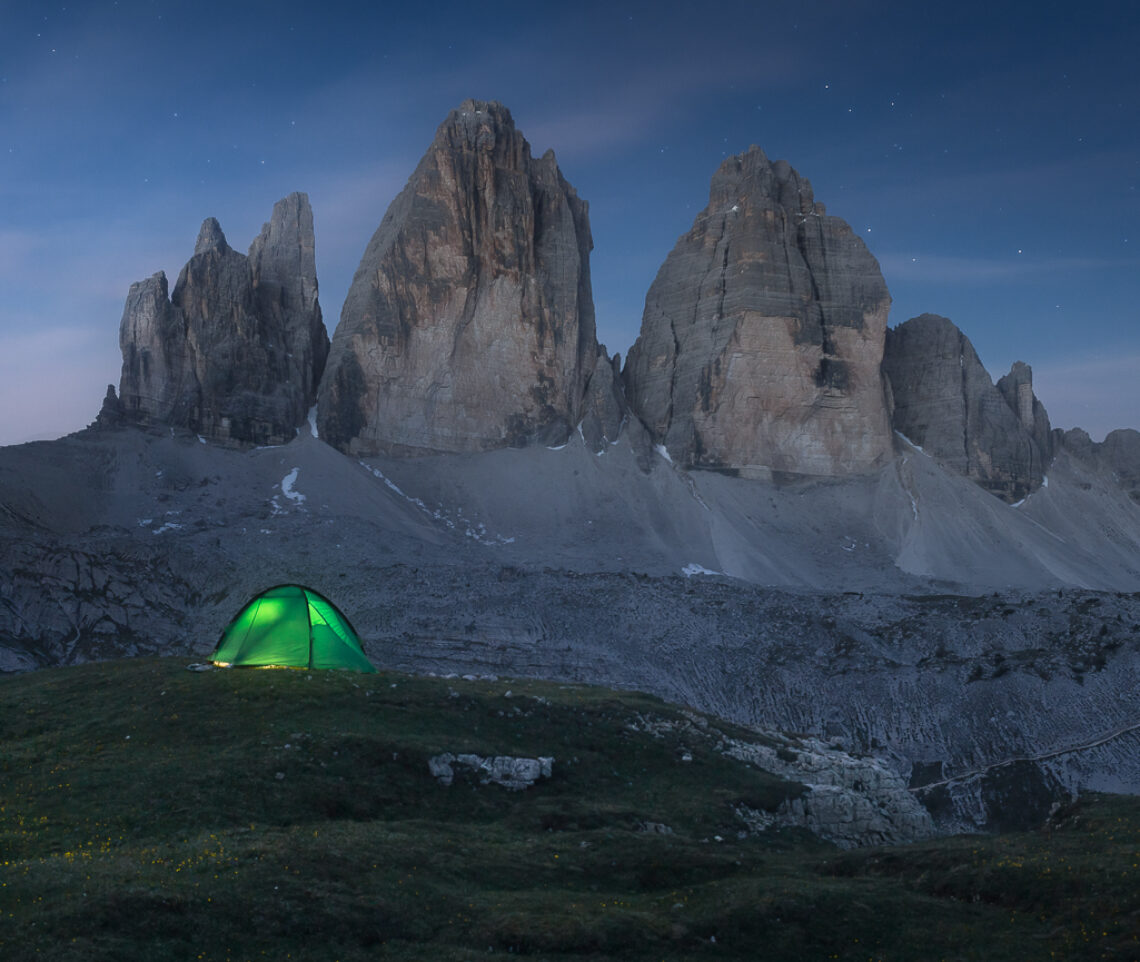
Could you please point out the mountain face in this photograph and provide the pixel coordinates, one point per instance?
(945, 402)
(762, 336)
(470, 321)
(236, 351)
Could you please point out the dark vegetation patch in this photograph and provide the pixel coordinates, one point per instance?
(147, 813)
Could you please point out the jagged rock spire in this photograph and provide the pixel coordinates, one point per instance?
(236, 351)
(470, 321)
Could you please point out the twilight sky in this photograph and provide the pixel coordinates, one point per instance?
(988, 154)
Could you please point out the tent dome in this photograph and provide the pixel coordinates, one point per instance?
(290, 626)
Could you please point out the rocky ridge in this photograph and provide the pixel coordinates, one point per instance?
(762, 336)
(470, 321)
(469, 326)
(944, 401)
(236, 351)
(1118, 455)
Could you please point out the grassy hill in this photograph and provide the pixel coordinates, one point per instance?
(149, 813)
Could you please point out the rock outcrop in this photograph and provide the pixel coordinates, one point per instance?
(470, 321)
(844, 798)
(513, 773)
(849, 800)
(762, 337)
(945, 402)
(604, 411)
(236, 352)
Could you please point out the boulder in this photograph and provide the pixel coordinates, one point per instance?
(236, 351)
(470, 322)
(946, 403)
(762, 337)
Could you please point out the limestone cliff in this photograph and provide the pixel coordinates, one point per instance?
(762, 336)
(236, 351)
(470, 322)
(945, 401)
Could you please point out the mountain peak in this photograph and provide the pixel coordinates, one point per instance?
(470, 322)
(210, 237)
(762, 335)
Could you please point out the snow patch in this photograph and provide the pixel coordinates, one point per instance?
(312, 418)
(287, 483)
(289, 492)
(201, 440)
(660, 449)
(1045, 481)
(692, 568)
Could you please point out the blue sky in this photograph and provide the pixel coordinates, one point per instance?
(988, 153)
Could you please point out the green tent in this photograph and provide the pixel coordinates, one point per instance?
(290, 626)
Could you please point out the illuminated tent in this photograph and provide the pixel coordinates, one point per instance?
(290, 626)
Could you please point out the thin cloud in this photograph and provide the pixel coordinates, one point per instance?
(624, 114)
(50, 400)
(978, 270)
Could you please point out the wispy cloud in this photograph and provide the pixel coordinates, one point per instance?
(978, 270)
(652, 102)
